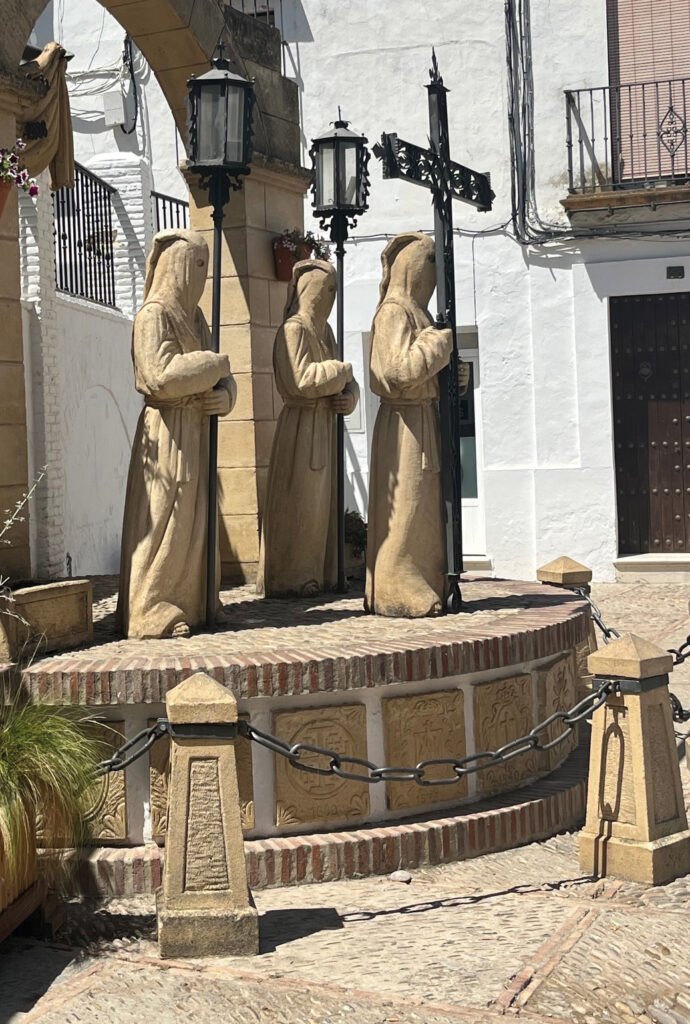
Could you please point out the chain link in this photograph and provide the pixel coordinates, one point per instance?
(140, 743)
(342, 766)
(333, 763)
(607, 632)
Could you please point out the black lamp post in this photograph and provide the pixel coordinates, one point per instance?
(340, 186)
(220, 106)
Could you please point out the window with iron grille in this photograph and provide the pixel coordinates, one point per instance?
(84, 237)
(169, 212)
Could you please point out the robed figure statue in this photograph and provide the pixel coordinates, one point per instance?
(299, 529)
(406, 560)
(163, 559)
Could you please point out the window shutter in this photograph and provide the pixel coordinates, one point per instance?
(648, 42)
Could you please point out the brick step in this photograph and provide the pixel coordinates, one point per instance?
(554, 804)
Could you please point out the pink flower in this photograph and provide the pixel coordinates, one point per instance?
(33, 190)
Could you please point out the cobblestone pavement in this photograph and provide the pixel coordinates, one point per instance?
(519, 933)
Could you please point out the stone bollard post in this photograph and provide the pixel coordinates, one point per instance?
(205, 907)
(636, 825)
(566, 573)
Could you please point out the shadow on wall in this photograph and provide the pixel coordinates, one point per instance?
(295, 30)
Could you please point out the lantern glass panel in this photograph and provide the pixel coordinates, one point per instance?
(348, 174)
(235, 125)
(325, 175)
(211, 124)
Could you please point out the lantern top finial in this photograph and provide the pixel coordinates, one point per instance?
(340, 130)
(220, 61)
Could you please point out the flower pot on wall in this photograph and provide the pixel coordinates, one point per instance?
(5, 189)
(285, 258)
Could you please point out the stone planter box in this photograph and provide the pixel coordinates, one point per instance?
(56, 616)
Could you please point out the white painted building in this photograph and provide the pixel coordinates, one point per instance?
(540, 319)
(536, 317)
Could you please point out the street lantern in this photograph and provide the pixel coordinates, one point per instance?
(220, 106)
(340, 177)
(340, 188)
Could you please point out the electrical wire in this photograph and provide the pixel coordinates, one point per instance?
(128, 63)
(529, 227)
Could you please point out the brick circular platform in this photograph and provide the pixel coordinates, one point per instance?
(278, 648)
(323, 672)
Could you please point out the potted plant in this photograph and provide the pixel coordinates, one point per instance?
(12, 173)
(295, 245)
(355, 539)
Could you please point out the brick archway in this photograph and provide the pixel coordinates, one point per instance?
(177, 38)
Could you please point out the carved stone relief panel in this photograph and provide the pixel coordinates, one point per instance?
(105, 803)
(503, 710)
(556, 691)
(418, 728)
(305, 798)
(205, 860)
(159, 768)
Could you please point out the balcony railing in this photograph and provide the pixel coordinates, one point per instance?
(628, 136)
(169, 212)
(83, 218)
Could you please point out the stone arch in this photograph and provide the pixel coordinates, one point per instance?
(177, 38)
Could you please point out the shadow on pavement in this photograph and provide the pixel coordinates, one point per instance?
(278, 927)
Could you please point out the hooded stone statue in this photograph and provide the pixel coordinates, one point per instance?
(163, 557)
(406, 560)
(299, 531)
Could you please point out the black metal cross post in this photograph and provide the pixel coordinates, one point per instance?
(433, 169)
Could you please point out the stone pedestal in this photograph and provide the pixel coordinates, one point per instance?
(205, 907)
(636, 825)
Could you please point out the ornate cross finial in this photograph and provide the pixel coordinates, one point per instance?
(433, 70)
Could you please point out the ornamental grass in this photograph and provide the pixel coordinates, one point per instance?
(48, 759)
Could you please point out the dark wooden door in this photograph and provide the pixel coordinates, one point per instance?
(650, 359)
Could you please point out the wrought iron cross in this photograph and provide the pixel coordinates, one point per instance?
(433, 169)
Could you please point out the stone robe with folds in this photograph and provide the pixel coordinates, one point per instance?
(163, 559)
(299, 530)
(406, 561)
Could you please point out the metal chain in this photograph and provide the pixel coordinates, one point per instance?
(147, 737)
(340, 765)
(680, 654)
(337, 764)
(596, 615)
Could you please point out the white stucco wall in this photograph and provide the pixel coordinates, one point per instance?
(541, 312)
(99, 413)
